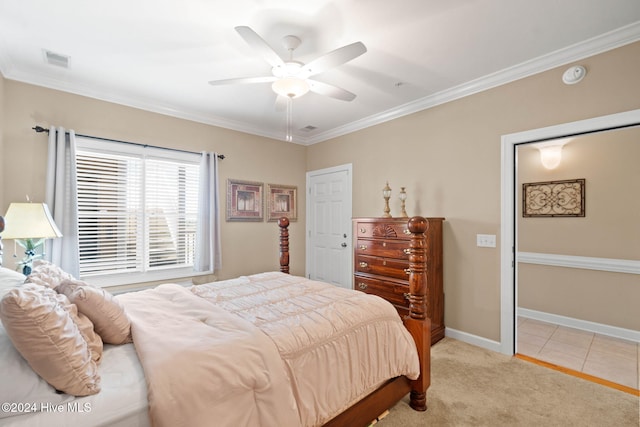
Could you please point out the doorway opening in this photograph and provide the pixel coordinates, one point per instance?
(509, 244)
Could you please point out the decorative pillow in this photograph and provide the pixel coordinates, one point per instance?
(85, 327)
(9, 279)
(43, 331)
(47, 274)
(19, 382)
(105, 312)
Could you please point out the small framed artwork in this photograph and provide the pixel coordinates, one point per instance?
(554, 199)
(281, 201)
(244, 200)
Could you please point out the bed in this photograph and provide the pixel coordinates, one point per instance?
(283, 350)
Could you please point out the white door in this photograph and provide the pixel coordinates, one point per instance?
(329, 247)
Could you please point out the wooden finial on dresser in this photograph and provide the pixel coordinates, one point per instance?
(283, 223)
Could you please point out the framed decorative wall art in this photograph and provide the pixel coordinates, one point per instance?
(282, 201)
(554, 198)
(244, 200)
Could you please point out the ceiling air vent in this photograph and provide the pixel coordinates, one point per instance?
(308, 128)
(56, 59)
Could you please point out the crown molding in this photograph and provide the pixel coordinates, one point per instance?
(608, 41)
(578, 51)
(135, 102)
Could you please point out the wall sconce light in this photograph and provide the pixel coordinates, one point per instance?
(403, 198)
(386, 194)
(551, 153)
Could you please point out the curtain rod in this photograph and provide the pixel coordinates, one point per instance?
(40, 129)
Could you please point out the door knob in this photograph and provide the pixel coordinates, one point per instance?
(344, 245)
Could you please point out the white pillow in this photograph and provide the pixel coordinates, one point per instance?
(9, 279)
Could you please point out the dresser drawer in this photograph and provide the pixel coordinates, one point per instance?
(387, 267)
(383, 230)
(383, 248)
(395, 293)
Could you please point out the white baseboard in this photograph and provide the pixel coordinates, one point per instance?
(599, 328)
(473, 339)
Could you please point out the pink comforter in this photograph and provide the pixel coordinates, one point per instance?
(337, 344)
(264, 350)
(205, 366)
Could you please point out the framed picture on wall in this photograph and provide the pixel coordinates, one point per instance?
(244, 200)
(281, 202)
(554, 198)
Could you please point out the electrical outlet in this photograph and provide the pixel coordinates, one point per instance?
(486, 240)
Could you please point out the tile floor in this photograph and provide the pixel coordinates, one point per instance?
(598, 355)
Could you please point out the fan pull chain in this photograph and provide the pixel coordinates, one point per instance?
(289, 135)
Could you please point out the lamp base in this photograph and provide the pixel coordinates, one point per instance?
(26, 270)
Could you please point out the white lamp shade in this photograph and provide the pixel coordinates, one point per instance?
(29, 221)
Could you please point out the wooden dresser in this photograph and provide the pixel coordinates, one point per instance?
(381, 263)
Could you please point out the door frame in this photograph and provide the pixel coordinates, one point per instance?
(348, 167)
(508, 208)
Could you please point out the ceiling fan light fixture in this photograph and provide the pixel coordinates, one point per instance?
(287, 69)
(291, 87)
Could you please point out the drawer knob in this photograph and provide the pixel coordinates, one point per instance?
(363, 264)
(407, 296)
(406, 251)
(363, 247)
(363, 230)
(407, 271)
(406, 231)
(362, 285)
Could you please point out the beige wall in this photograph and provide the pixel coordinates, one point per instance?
(247, 247)
(448, 157)
(610, 229)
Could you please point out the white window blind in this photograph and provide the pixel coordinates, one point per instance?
(136, 212)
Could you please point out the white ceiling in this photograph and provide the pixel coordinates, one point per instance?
(159, 54)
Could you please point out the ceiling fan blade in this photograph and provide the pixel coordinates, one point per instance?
(259, 45)
(281, 103)
(333, 59)
(330, 90)
(243, 80)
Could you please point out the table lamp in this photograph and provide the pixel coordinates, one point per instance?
(29, 224)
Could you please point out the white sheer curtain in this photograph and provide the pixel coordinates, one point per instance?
(62, 198)
(208, 255)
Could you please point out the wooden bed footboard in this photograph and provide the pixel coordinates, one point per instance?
(417, 323)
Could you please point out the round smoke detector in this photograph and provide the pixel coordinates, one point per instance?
(574, 75)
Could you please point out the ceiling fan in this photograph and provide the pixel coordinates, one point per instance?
(291, 79)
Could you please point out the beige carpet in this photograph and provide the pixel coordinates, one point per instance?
(471, 386)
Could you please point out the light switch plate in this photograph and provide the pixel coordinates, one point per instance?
(486, 240)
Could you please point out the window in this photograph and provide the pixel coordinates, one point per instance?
(137, 209)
